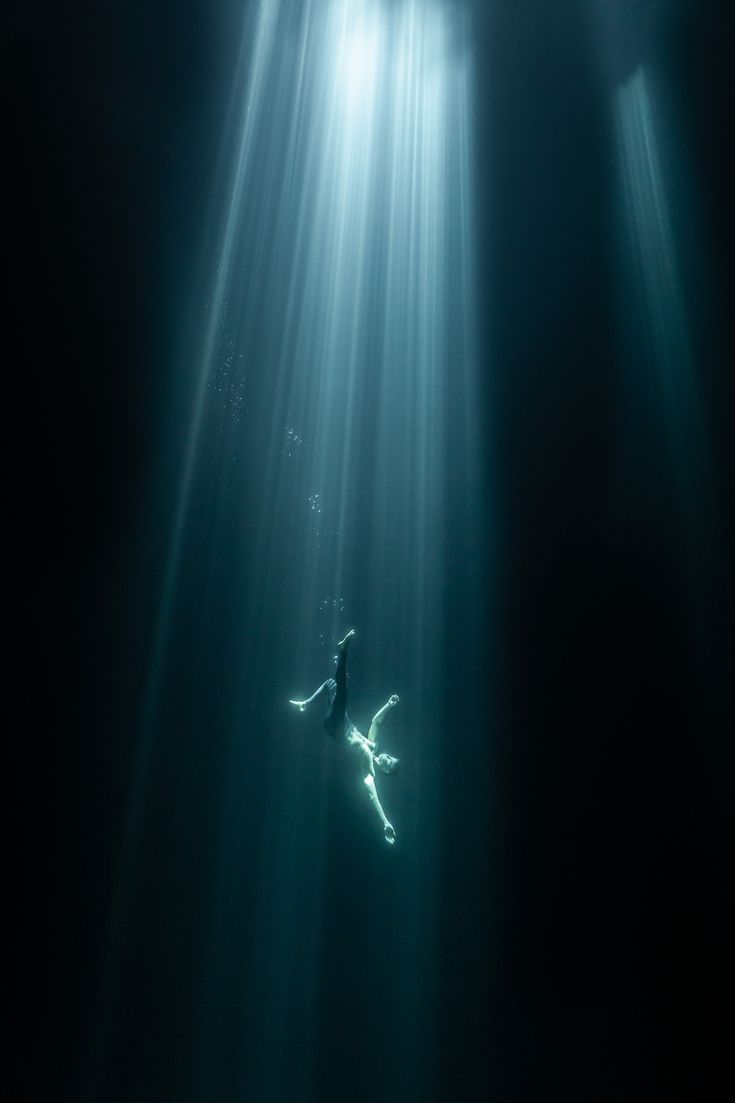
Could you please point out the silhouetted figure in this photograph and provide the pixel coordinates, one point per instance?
(362, 750)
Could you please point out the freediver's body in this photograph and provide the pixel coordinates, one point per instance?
(362, 749)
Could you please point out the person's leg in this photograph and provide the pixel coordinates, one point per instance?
(335, 721)
(323, 688)
(340, 682)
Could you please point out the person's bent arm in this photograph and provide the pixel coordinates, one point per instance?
(377, 720)
(388, 830)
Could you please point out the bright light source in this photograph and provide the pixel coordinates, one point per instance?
(358, 61)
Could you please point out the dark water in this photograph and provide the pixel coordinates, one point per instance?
(208, 911)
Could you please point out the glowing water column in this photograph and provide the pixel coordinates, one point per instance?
(335, 342)
(353, 281)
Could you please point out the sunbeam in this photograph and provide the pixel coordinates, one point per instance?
(673, 390)
(337, 342)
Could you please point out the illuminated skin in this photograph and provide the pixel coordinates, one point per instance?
(363, 749)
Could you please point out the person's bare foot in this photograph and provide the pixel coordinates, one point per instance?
(346, 640)
(393, 700)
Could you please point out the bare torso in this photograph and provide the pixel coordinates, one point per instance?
(361, 751)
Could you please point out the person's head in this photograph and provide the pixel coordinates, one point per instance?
(387, 763)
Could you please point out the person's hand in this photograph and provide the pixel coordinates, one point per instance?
(390, 834)
(393, 700)
(300, 705)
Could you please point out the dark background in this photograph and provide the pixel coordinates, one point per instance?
(586, 917)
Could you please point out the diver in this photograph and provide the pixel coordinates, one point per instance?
(363, 751)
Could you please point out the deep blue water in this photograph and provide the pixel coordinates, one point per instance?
(522, 508)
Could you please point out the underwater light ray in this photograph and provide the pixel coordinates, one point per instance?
(673, 391)
(338, 263)
(102, 1033)
(652, 240)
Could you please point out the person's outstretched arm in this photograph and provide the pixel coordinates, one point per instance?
(388, 830)
(377, 720)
